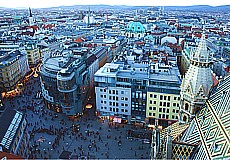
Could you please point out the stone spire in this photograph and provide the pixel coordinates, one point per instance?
(197, 82)
(88, 16)
(30, 12)
(31, 19)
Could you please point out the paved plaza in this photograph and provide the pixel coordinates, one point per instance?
(52, 133)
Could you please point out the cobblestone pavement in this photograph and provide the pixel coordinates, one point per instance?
(52, 132)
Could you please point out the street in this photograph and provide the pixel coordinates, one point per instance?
(86, 136)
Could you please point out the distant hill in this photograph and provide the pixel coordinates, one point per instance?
(191, 8)
(223, 8)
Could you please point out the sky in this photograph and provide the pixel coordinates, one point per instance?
(54, 3)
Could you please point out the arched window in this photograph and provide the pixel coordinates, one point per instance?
(186, 106)
(184, 118)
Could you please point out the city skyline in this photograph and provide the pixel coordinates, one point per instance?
(52, 3)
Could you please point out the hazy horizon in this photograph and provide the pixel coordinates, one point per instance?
(56, 3)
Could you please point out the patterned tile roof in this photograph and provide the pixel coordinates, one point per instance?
(211, 126)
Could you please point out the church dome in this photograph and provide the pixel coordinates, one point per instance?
(135, 27)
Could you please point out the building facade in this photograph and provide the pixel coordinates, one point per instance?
(13, 67)
(64, 81)
(14, 137)
(138, 91)
(33, 54)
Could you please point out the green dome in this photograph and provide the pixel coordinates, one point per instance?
(135, 27)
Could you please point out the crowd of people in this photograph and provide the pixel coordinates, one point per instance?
(51, 134)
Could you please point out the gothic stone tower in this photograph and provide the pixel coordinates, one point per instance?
(31, 19)
(197, 82)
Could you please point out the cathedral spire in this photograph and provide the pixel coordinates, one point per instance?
(197, 82)
(31, 19)
(201, 54)
(89, 15)
(30, 12)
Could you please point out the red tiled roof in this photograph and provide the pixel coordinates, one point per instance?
(215, 81)
(139, 43)
(9, 156)
(227, 69)
(79, 40)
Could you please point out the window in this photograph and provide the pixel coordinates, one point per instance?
(168, 104)
(174, 104)
(101, 101)
(101, 90)
(122, 92)
(167, 116)
(150, 108)
(105, 107)
(154, 102)
(160, 109)
(101, 96)
(101, 107)
(150, 114)
(122, 98)
(175, 98)
(117, 110)
(104, 102)
(165, 97)
(151, 102)
(161, 97)
(160, 103)
(168, 98)
(122, 104)
(122, 110)
(126, 99)
(154, 108)
(126, 105)
(167, 110)
(110, 108)
(110, 103)
(104, 96)
(126, 110)
(155, 96)
(151, 95)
